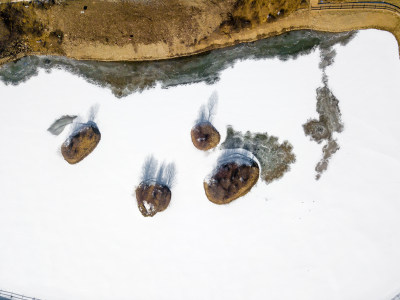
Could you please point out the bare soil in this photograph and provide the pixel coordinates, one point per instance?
(62, 28)
(129, 29)
(124, 30)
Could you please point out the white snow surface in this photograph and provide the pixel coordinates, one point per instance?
(75, 231)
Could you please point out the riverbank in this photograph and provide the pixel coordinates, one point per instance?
(124, 78)
(122, 31)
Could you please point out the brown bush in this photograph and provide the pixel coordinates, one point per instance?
(80, 144)
(152, 198)
(231, 181)
(205, 136)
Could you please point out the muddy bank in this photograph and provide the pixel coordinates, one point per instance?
(124, 78)
(153, 30)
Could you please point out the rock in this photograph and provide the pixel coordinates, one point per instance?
(81, 143)
(231, 180)
(205, 136)
(152, 198)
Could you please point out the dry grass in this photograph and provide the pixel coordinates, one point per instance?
(260, 11)
(152, 30)
(61, 28)
(22, 31)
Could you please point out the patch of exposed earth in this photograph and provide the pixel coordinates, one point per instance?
(142, 29)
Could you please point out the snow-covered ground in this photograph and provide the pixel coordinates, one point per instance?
(75, 232)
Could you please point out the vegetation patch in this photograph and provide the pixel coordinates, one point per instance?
(247, 13)
(329, 122)
(236, 173)
(152, 198)
(21, 20)
(317, 129)
(81, 142)
(57, 35)
(204, 135)
(328, 150)
(322, 130)
(22, 31)
(275, 158)
(153, 194)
